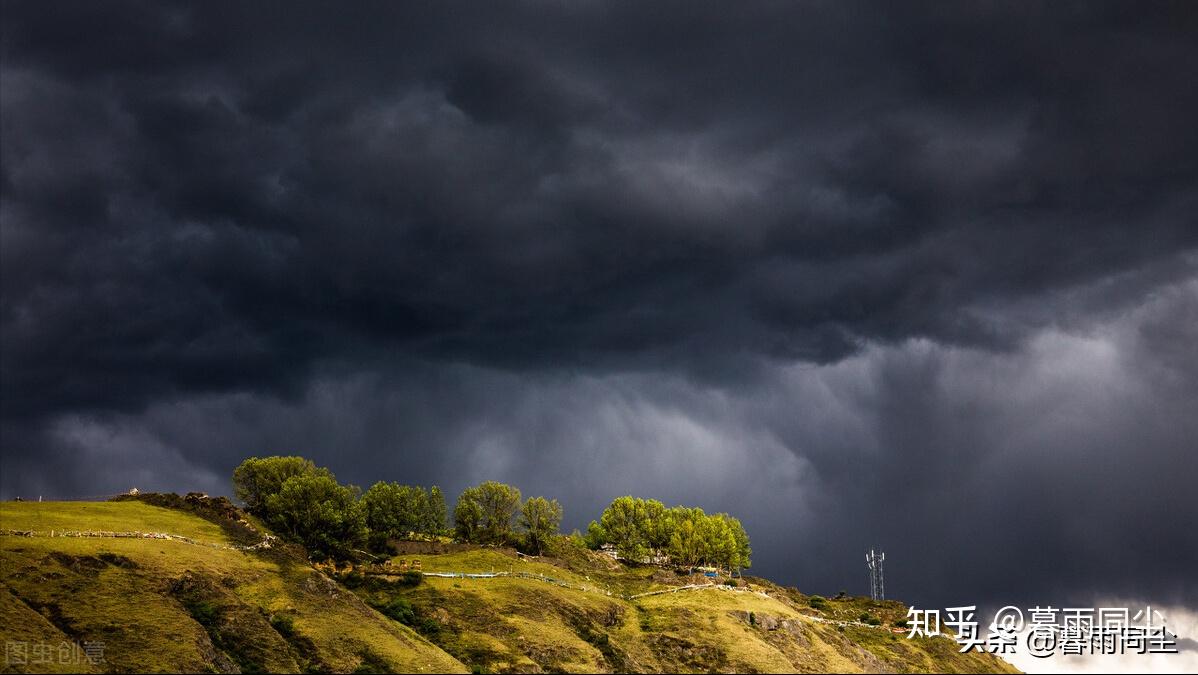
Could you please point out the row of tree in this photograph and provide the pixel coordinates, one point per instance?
(395, 511)
(485, 514)
(645, 530)
(306, 504)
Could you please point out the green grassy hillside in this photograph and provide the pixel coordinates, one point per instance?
(165, 605)
(203, 604)
(589, 614)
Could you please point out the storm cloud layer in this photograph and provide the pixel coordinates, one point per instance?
(922, 277)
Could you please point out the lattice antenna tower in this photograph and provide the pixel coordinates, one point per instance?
(877, 579)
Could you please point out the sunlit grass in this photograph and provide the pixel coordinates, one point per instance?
(129, 605)
(280, 614)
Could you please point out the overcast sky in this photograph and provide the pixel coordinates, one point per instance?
(910, 276)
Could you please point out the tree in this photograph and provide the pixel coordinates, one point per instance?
(719, 546)
(434, 519)
(485, 512)
(623, 523)
(540, 519)
(318, 512)
(657, 525)
(468, 518)
(256, 478)
(640, 528)
(741, 551)
(595, 537)
(395, 511)
(687, 541)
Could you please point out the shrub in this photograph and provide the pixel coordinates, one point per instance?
(204, 612)
(577, 540)
(284, 625)
(351, 579)
(400, 609)
(411, 578)
(428, 626)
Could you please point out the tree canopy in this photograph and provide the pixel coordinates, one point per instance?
(318, 512)
(643, 529)
(257, 478)
(540, 519)
(395, 511)
(306, 504)
(485, 513)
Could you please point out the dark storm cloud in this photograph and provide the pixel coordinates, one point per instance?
(833, 251)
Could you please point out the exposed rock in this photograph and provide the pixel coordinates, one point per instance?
(762, 621)
(441, 616)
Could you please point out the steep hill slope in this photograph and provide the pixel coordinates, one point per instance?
(162, 605)
(588, 614)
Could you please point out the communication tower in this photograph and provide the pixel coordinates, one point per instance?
(877, 581)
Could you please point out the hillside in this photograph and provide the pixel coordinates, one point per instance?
(206, 603)
(588, 613)
(170, 605)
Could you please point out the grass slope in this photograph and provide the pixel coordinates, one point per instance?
(163, 606)
(586, 621)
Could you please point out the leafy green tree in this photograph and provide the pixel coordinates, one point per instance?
(540, 519)
(741, 552)
(624, 524)
(640, 528)
(468, 517)
(687, 543)
(656, 526)
(318, 512)
(595, 536)
(485, 513)
(257, 478)
(395, 511)
(434, 519)
(719, 546)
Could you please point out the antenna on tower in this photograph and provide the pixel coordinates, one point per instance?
(877, 580)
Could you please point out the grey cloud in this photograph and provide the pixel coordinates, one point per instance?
(850, 267)
(1047, 473)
